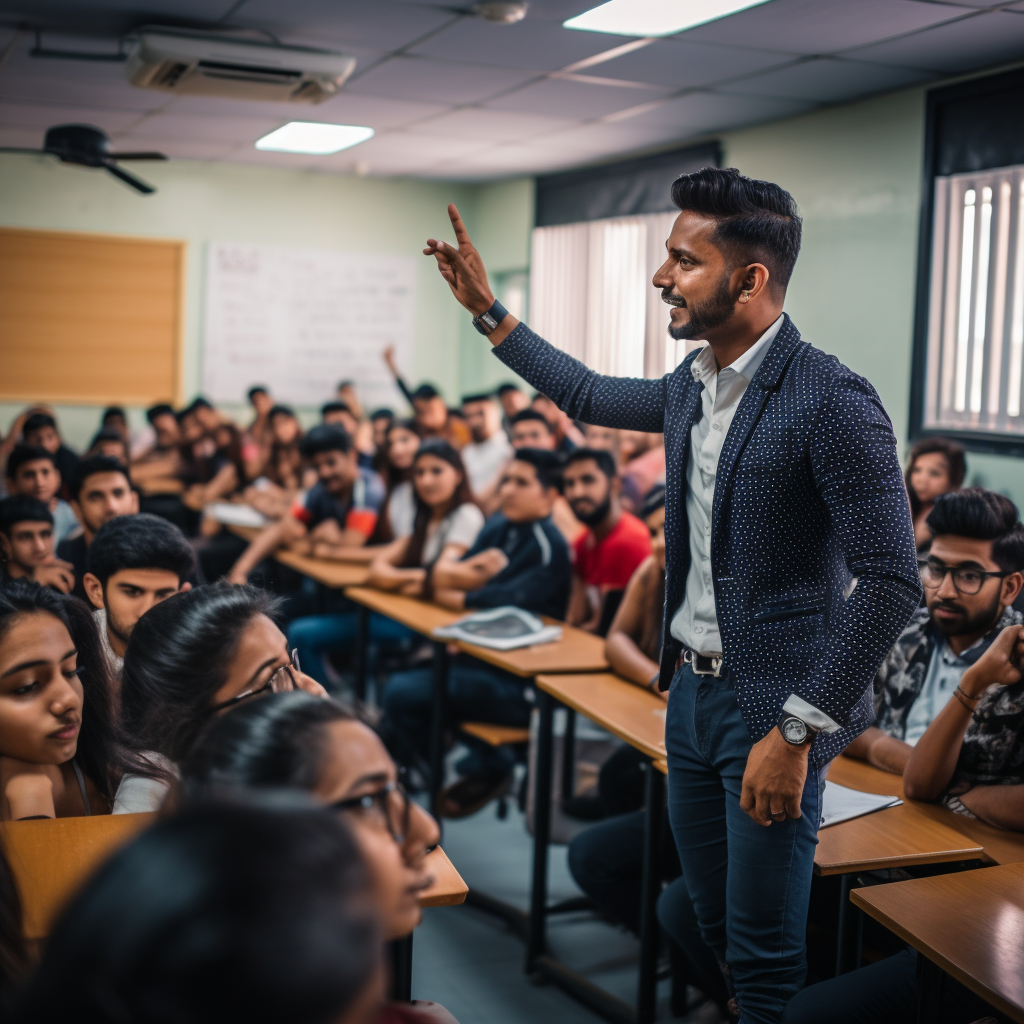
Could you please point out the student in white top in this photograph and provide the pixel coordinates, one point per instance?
(395, 467)
(490, 450)
(190, 658)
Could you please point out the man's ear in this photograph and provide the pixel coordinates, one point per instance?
(185, 587)
(94, 590)
(1012, 586)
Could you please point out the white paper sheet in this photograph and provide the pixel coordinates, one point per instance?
(842, 804)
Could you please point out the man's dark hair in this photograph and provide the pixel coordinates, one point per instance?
(530, 415)
(383, 413)
(96, 464)
(504, 389)
(199, 402)
(480, 396)
(257, 389)
(981, 515)
(107, 435)
(281, 410)
(757, 220)
(548, 465)
(140, 542)
(113, 410)
(154, 412)
(20, 508)
(23, 453)
(335, 406)
(604, 460)
(38, 420)
(653, 500)
(326, 437)
(425, 392)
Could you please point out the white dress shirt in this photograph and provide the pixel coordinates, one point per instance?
(695, 622)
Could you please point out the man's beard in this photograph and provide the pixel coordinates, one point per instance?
(119, 630)
(596, 516)
(981, 622)
(703, 318)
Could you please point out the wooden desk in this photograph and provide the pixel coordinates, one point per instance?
(162, 485)
(419, 616)
(448, 890)
(661, 765)
(625, 710)
(577, 651)
(326, 571)
(969, 924)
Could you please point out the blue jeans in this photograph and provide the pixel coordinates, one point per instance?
(318, 635)
(476, 693)
(750, 884)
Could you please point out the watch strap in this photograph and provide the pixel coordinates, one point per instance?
(487, 322)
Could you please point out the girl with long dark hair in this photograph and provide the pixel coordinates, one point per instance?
(401, 441)
(936, 466)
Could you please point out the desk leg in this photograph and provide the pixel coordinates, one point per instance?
(541, 830)
(851, 928)
(362, 652)
(930, 979)
(400, 955)
(568, 787)
(438, 719)
(650, 887)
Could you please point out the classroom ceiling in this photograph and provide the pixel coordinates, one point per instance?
(452, 96)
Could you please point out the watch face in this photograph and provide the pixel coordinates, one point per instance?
(794, 730)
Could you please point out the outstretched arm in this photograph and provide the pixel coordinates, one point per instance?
(622, 402)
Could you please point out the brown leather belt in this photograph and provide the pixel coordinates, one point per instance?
(701, 664)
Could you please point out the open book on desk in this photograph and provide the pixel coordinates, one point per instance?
(502, 629)
(842, 804)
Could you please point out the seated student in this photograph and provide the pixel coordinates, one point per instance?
(115, 420)
(32, 471)
(568, 435)
(398, 511)
(446, 523)
(489, 451)
(296, 741)
(189, 658)
(380, 420)
(230, 910)
(339, 512)
(100, 491)
(512, 399)
(156, 449)
(432, 416)
(361, 433)
(111, 444)
(59, 753)
(40, 431)
(935, 467)
(614, 543)
(518, 559)
(282, 475)
(604, 439)
(641, 464)
(134, 563)
(26, 543)
(978, 533)
(529, 429)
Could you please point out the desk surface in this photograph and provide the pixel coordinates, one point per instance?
(624, 709)
(329, 573)
(448, 889)
(970, 923)
(419, 616)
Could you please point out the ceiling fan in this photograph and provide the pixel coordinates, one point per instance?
(86, 146)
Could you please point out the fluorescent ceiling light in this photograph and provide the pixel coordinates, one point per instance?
(655, 17)
(314, 137)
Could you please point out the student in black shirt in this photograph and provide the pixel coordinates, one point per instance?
(41, 431)
(520, 559)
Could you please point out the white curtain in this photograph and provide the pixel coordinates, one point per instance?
(591, 294)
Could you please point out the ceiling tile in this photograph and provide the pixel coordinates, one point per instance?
(561, 97)
(436, 81)
(531, 44)
(20, 137)
(989, 39)
(43, 116)
(821, 26)
(114, 16)
(827, 80)
(682, 64)
(705, 112)
(191, 126)
(189, 148)
(491, 125)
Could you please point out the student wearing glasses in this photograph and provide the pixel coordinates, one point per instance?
(190, 658)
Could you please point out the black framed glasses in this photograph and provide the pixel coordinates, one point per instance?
(966, 579)
(390, 803)
(281, 681)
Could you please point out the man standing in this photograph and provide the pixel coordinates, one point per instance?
(782, 483)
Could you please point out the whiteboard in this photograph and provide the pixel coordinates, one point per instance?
(300, 320)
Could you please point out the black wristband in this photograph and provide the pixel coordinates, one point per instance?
(486, 323)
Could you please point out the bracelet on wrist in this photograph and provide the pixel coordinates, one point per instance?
(963, 703)
(963, 693)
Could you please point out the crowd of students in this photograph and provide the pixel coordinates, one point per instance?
(136, 633)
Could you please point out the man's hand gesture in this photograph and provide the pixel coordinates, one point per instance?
(1000, 665)
(462, 268)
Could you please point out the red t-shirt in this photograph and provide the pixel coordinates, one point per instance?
(609, 563)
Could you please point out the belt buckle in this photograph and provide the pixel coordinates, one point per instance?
(703, 664)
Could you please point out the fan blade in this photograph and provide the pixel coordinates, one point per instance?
(19, 149)
(129, 179)
(137, 156)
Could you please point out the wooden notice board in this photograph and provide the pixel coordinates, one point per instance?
(90, 319)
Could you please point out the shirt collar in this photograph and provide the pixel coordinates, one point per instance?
(746, 366)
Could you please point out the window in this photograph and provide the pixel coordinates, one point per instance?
(591, 294)
(975, 338)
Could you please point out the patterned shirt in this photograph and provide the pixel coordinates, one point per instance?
(992, 752)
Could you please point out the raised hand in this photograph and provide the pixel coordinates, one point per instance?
(1000, 665)
(462, 268)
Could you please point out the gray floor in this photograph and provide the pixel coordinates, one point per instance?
(473, 964)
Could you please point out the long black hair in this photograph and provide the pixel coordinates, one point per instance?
(251, 909)
(101, 753)
(178, 657)
(956, 466)
(279, 741)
